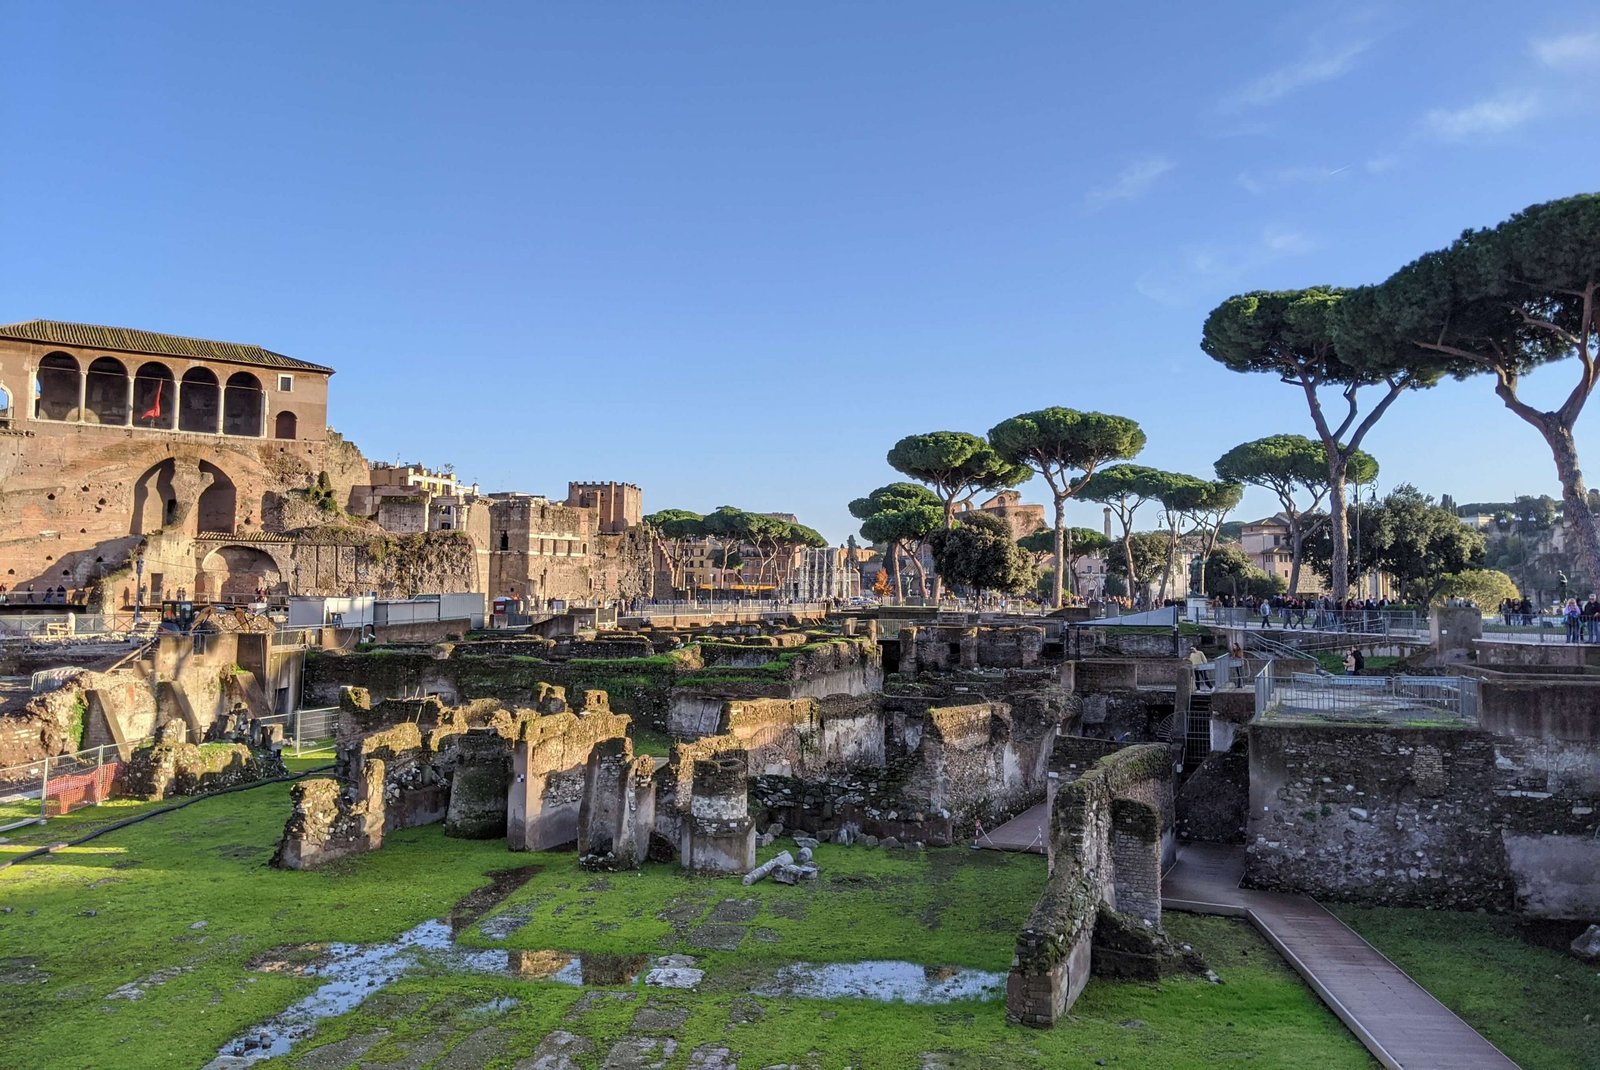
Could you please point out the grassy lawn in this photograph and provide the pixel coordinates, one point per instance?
(181, 904)
(82, 822)
(1530, 1001)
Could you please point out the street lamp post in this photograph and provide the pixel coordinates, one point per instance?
(138, 588)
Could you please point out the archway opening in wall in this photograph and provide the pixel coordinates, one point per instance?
(154, 503)
(286, 425)
(241, 405)
(5, 407)
(155, 397)
(219, 502)
(236, 573)
(105, 392)
(55, 388)
(200, 402)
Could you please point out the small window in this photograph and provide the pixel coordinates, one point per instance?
(285, 383)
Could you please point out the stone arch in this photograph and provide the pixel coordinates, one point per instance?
(155, 396)
(242, 405)
(6, 414)
(286, 425)
(105, 392)
(201, 402)
(235, 573)
(219, 502)
(55, 388)
(154, 499)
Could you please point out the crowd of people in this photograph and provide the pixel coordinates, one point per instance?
(26, 595)
(1303, 612)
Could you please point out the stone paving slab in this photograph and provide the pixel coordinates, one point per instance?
(1397, 1020)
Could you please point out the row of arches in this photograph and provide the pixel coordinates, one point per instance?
(105, 393)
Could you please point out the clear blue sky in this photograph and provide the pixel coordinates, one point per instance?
(732, 252)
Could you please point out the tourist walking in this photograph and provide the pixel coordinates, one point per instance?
(1265, 609)
(1591, 619)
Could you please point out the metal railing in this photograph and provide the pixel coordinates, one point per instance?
(1378, 622)
(306, 728)
(1396, 700)
(1542, 628)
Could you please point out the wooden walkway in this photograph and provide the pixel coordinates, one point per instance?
(1025, 832)
(1403, 1026)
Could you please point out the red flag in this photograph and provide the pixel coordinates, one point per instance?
(154, 411)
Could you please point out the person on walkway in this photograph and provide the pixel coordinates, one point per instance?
(1591, 619)
(1350, 662)
(1204, 678)
(1265, 609)
(1237, 653)
(1573, 616)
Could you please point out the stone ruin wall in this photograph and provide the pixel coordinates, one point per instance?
(949, 647)
(1435, 817)
(1106, 832)
(88, 486)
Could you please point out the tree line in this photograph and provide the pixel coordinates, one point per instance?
(1497, 303)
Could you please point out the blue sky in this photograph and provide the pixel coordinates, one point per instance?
(733, 252)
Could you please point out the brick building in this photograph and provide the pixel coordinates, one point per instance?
(110, 435)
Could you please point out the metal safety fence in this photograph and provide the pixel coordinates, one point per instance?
(306, 729)
(61, 784)
(1402, 700)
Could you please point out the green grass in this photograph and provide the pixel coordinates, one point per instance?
(124, 906)
(82, 822)
(1333, 661)
(1530, 1001)
(649, 741)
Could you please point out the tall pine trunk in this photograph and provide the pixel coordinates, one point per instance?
(1338, 524)
(1574, 496)
(1061, 549)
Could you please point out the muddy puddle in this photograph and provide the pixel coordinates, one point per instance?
(350, 973)
(885, 981)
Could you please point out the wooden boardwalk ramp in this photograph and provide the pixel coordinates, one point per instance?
(1403, 1026)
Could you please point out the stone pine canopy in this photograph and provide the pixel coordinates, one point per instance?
(128, 340)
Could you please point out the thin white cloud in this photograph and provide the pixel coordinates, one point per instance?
(1568, 50)
(1261, 181)
(1280, 242)
(1316, 66)
(1199, 273)
(1492, 115)
(1131, 183)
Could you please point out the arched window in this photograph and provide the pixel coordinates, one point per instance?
(155, 397)
(201, 402)
(5, 407)
(55, 388)
(105, 393)
(285, 425)
(241, 405)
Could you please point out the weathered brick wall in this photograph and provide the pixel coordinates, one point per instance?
(1214, 802)
(1130, 716)
(1106, 829)
(1425, 817)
